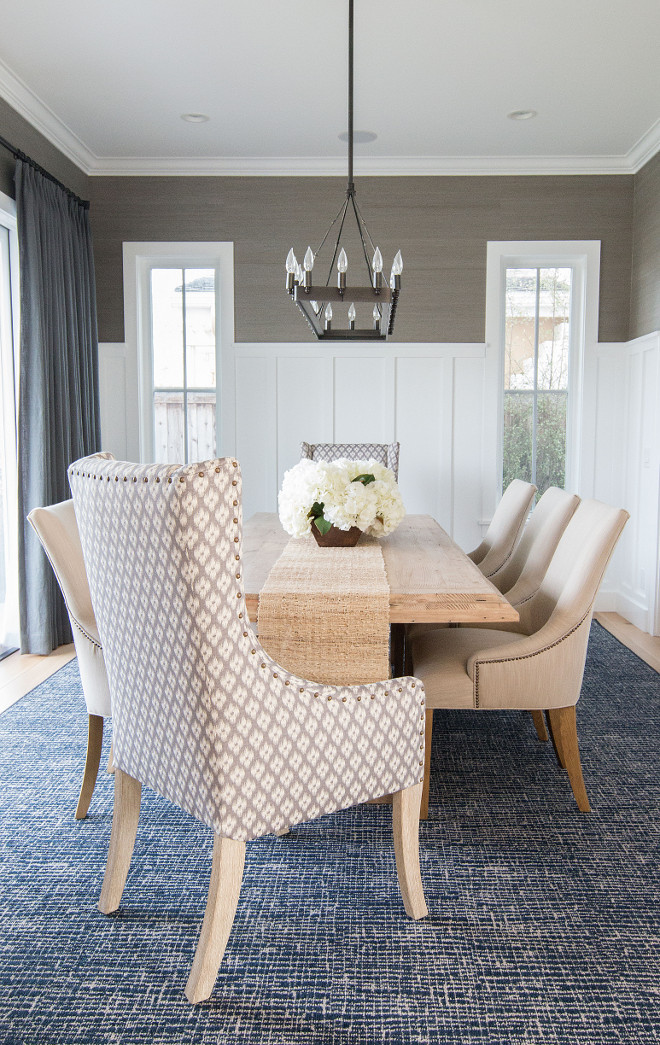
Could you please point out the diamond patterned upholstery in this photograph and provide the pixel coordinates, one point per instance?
(202, 714)
(385, 453)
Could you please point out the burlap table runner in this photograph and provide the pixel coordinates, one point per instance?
(324, 612)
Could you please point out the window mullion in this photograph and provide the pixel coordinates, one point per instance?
(185, 370)
(537, 310)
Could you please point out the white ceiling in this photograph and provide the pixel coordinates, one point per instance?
(107, 81)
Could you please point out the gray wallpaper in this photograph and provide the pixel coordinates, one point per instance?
(645, 285)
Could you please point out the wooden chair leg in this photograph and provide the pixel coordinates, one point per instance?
(224, 887)
(111, 759)
(564, 727)
(539, 722)
(405, 826)
(122, 840)
(428, 738)
(556, 741)
(92, 760)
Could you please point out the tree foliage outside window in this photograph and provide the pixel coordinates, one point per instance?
(536, 368)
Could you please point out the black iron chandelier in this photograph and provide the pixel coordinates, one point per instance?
(331, 310)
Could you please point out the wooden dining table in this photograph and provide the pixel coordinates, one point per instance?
(430, 578)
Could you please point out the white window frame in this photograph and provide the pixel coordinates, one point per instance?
(139, 260)
(10, 364)
(583, 258)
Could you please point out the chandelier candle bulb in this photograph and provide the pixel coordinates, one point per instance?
(377, 266)
(308, 265)
(376, 315)
(351, 317)
(291, 265)
(328, 317)
(342, 265)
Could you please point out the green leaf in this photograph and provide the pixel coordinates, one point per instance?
(365, 479)
(315, 510)
(322, 524)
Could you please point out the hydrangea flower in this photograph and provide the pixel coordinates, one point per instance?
(343, 493)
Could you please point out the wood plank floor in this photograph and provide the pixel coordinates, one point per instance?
(20, 673)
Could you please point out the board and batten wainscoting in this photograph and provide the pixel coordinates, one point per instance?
(431, 398)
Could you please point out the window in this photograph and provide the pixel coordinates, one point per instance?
(178, 300)
(541, 338)
(8, 398)
(183, 343)
(537, 337)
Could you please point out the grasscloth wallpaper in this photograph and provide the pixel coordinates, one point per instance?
(441, 224)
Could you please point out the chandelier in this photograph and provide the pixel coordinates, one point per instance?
(329, 309)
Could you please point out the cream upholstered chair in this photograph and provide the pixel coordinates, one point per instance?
(505, 528)
(385, 453)
(521, 576)
(57, 529)
(201, 714)
(538, 664)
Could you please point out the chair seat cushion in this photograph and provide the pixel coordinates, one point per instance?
(440, 660)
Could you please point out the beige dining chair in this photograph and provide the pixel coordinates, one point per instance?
(538, 663)
(505, 528)
(385, 453)
(57, 529)
(201, 713)
(521, 576)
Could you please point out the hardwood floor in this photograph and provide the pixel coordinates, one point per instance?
(20, 673)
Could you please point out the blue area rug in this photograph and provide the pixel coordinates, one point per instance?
(544, 922)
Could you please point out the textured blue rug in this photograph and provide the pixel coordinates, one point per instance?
(544, 923)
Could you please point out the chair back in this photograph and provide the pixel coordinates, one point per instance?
(522, 575)
(571, 582)
(505, 528)
(57, 529)
(384, 453)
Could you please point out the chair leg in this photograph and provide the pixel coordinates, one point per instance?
(556, 741)
(405, 825)
(428, 738)
(224, 887)
(564, 727)
(539, 722)
(122, 840)
(111, 758)
(92, 760)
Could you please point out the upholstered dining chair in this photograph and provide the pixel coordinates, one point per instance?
(538, 663)
(505, 528)
(521, 576)
(57, 529)
(201, 714)
(385, 453)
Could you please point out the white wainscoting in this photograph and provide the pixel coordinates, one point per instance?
(431, 397)
(428, 397)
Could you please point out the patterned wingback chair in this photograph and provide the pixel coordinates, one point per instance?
(385, 453)
(202, 715)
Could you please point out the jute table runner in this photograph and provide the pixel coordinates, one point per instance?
(324, 612)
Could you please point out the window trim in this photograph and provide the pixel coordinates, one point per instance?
(139, 259)
(583, 257)
(10, 375)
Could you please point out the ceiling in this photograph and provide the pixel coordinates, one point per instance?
(108, 82)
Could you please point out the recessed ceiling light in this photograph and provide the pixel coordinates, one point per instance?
(359, 137)
(195, 117)
(522, 114)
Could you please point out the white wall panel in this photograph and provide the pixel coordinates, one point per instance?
(256, 431)
(422, 429)
(118, 403)
(468, 524)
(304, 406)
(363, 400)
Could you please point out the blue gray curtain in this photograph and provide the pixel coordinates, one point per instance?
(58, 419)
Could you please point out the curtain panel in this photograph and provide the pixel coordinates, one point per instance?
(58, 418)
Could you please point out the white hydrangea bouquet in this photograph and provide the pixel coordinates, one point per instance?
(342, 493)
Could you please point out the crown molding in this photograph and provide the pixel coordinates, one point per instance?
(28, 105)
(44, 120)
(380, 166)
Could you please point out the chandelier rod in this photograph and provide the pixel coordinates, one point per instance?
(350, 189)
